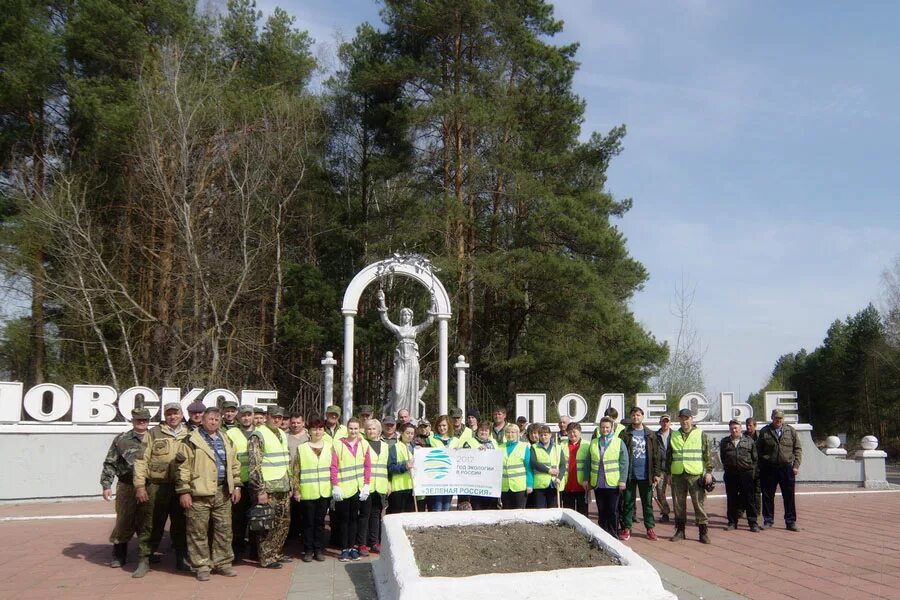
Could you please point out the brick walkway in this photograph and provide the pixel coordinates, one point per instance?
(848, 547)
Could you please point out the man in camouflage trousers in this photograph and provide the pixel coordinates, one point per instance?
(207, 484)
(154, 482)
(270, 479)
(119, 464)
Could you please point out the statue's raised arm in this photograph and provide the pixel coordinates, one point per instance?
(430, 319)
(382, 310)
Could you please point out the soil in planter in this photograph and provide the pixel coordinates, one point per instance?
(464, 550)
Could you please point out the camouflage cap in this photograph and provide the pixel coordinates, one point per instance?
(229, 404)
(777, 414)
(246, 408)
(172, 406)
(259, 410)
(196, 407)
(333, 409)
(276, 411)
(140, 413)
(456, 413)
(367, 409)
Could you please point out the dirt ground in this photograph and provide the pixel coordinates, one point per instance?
(462, 551)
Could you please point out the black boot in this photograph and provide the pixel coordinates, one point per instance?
(704, 534)
(679, 532)
(120, 554)
(180, 563)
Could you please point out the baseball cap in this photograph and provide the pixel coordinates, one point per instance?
(777, 414)
(685, 412)
(367, 409)
(140, 413)
(276, 411)
(245, 408)
(665, 417)
(456, 413)
(333, 409)
(172, 406)
(229, 404)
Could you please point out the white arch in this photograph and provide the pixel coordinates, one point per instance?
(419, 269)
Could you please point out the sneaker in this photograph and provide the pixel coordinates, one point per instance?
(625, 535)
(375, 549)
(363, 550)
(345, 556)
(651, 535)
(354, 554)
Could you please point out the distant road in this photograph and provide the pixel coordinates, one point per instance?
(893, 473)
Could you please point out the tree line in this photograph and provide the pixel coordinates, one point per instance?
(181, 206)
(851, 382)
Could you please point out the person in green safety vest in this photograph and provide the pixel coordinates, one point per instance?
(546, 463)
(400, 471)
(689, 463)
(368, 530)
(312, 489)
(517, 480)
(351, 477)
(271, 481)
(239, 437)
(607, 473)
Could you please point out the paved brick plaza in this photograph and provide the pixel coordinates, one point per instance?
(849, 547)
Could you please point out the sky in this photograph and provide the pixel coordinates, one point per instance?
(761, 157)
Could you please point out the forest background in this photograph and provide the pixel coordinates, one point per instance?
(181, 207)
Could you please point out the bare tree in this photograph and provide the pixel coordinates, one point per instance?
(890, 310)
(683, 371)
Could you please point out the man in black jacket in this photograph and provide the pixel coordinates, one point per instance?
(644, 472)
(738, 454)
(780, 453)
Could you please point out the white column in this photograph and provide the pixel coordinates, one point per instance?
(443, 361)
(461, 367)
(328, 380)
(347, 380)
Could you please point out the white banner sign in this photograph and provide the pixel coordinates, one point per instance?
(445, 472)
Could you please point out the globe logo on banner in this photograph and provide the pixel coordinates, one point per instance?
(437, 463)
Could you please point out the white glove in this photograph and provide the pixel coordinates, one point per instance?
(363, 493)
(337, 494)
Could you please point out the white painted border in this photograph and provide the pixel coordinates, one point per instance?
(397, 575)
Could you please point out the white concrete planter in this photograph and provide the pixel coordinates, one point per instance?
(397, 576)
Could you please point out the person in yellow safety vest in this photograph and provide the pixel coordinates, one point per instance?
(517, 480)
(441, 438)
(312, 489)
(607, 473)
(547, 464)
(333, 428)
(576, 454)
(239, 436)
(482, 440)
(400, 471)
(271, 480)
(459, 429)
(689, 463)
(368, 529)
(351, 477)
(259, 415)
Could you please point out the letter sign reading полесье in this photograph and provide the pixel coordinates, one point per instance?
(534, 407)
(98, 404)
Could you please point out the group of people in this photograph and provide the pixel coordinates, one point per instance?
(235, 482)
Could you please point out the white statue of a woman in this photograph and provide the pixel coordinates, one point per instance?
(405, 392)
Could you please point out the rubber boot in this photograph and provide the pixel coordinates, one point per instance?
(120, 552)
(679, 532)
(180, 563)
(143, 567)
(704, 534)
